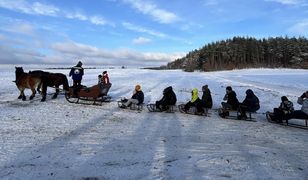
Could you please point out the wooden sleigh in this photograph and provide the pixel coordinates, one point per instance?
(95, 95)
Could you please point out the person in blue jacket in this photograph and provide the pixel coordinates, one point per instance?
(77, 73)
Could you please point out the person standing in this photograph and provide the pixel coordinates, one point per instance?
(77, 73)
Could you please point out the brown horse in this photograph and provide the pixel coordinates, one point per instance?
(51, 80)
(25, 80)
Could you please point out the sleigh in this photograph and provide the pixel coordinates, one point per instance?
(94, 95)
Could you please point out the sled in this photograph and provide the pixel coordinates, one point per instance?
(193, 111)
(152, 108)
(303, 125)
(233, 114)
(133, 106)
(95, 95)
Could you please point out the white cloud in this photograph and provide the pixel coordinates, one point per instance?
(141, 40)
(300, 27)
(94, 55)
(67, 53)
(76, 15)
(98, 20)
(147, 8)
(44, 9)
(286, 2)
(20, 28)
(136, 28)
(35, 9)
(38, 8)
(210, 2)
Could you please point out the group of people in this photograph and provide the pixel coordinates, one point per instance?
(286, 110)
(251, 102)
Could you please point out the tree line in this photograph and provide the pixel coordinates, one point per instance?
(246, 52)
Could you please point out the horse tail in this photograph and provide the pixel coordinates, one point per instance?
(65, 83)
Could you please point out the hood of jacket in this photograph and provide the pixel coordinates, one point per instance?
(194, 96)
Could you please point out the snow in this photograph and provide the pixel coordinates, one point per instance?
(59, 140)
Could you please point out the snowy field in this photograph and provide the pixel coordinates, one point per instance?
(59, 140)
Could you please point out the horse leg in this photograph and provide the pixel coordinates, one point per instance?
(56, 94)
(44, 91)
(22, 94)
(33, 93)
(39, 88)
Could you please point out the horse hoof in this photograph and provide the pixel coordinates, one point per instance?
(19, 97)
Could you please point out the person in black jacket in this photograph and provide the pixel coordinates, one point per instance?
(206, 99)
(137, 98)
(285, 108)
(231, 104)
(169, 98)
(251, 103)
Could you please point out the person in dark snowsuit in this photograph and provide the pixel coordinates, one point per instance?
(169, 98)
(285, 108)
(206, 99)
(231, 104)
(251, 103)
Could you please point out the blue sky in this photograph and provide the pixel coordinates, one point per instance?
(136, 32)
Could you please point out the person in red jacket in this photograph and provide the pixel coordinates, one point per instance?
(104, 83)
(105, 78)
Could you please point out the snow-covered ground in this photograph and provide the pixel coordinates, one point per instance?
(59, 140)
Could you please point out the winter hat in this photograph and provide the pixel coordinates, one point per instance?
(229, 88)
(138, 87)
(105, 72)
(249, 93)
(284, 98)
(204, 87)
(79, 63)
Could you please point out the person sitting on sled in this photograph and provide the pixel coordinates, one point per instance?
(280, 113)
(104, 83)
(137, 98)
(194, 102)
(231, 104)
(206, 99)
(169, 98)
(303, 113)
(251, 103)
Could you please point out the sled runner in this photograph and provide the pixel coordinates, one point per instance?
(94, 95)
(232, 114)
(192, 111)
(133, 106)
(153, 108)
